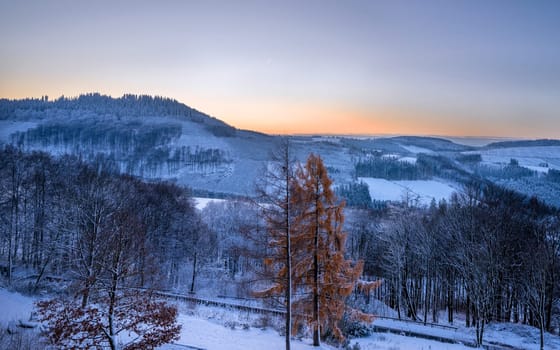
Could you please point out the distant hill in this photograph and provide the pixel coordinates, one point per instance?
(523, 143)
(150, 137)
(93, 105)
(431, 143)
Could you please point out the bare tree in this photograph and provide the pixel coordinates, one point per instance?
(117, 307)
(275, 196)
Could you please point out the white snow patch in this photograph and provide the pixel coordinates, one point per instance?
(206, 334)
(416, 149)
(391, 156)
(15, 307)
(390, 341)
(201, 202)
(529, 157)
(204, 328)
(428, 189)
(220, 329)
(423, 190)
(383, 190)
(539, 169)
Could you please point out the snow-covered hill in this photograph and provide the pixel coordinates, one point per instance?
(160, 138)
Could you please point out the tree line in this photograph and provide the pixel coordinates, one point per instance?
(106, 237)
(488, 254)
(98, 106)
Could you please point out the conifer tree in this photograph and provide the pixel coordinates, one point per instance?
(320, 244)
(306, 246)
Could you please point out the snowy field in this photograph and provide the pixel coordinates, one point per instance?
(529, 157)
(423, 190)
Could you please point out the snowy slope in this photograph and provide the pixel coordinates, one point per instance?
(201, 202)
(423, 190)
(530, 157)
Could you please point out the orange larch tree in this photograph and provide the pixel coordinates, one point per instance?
(306, 246)
(322, 275)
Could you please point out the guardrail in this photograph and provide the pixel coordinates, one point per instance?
(210, 302)
(275, 312)
(420, 323)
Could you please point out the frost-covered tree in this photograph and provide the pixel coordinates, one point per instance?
(114, 308)
(276, 196)
(151, 323)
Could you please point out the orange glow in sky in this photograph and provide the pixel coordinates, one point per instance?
(465, 68)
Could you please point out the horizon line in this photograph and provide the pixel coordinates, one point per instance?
(302, 134)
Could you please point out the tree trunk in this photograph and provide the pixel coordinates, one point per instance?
(549, 300)
(316, 330)
(427, 288)
(482, 322)
(193, 273)
(541, 331)
(288, 258)
(478, 321)
(450, 296)
(113, 298)
(468, 311)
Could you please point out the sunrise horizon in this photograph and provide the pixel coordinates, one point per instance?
(469, 68)
(296, 129)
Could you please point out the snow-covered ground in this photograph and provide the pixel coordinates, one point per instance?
(216, 328)
(416, 149)
(511, 335)
(423, 190)
(14, 307)
(390, 341)
(206, 334)
(477, 141)
(201, 203)
(529, 157)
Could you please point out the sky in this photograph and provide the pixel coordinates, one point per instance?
(455, 68)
